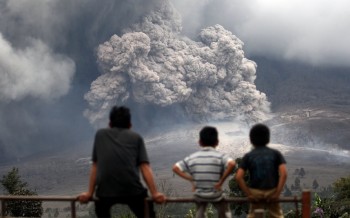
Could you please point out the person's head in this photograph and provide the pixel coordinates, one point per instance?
(208, 136)
(120, 117)
(259, 135)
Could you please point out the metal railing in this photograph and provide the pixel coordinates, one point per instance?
(304, 200)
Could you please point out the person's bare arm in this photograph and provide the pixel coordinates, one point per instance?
(282, 169)
(147, 174)
(241, 183)
(86, 196)
(230, 166)
(182, 174)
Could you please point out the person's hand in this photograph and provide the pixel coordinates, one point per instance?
(251, 198)
(84, 197)
(158, 197)
(193, 187)
(217, 186)
(273, 197)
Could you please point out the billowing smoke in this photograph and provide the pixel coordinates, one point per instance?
(47, 63)
(34, 72)
(152, 64)
(22, 75)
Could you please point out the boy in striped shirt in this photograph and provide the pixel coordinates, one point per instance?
(207, 170)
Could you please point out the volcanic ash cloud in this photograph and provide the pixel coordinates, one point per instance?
(34, 71)
(152, 64)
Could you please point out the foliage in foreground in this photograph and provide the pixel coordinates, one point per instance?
(15, 186)
(336, 204)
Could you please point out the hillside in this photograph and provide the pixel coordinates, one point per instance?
(310, 124)
(66, 172)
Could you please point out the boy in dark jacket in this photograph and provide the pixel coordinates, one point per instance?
(268, 173)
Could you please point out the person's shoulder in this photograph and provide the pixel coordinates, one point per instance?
(250, 152)
(274, 150)
(194, 155)
(132, 132)
(222, 154)
(102, 131)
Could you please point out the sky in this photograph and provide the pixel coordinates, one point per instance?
(314, 32)
(49, 53)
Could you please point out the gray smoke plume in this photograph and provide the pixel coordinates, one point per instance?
(47, 63)
(152, 64)
(22, 76)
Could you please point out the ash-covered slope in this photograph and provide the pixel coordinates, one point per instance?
(291, 85)
(311, 104)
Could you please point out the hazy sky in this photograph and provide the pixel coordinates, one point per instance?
(313, 31)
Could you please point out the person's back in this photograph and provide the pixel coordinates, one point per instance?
(262, 163)
(267, 171)
(119, 155)
(207, 170)
(206, 167)
(117, 150)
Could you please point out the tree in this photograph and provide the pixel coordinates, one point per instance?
(342, 189)
(15, 186)
(336, 204)
(12, 181)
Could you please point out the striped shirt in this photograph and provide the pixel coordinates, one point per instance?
(206, 168)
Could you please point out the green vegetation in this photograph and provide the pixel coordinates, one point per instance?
(334, 201)
(13, 185)
(210, 212)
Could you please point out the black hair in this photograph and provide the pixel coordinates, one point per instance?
(259, 135)
(208, 136)
(120, 117)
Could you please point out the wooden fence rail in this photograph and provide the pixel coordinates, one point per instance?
(304, 200)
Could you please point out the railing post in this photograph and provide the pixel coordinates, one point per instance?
(73, 209)
(3, 208)
(146, 209)
(306, 204)
(259, 213)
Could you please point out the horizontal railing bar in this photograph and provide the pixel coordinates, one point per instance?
(38, 198)
(171, 199)
(230, 199)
